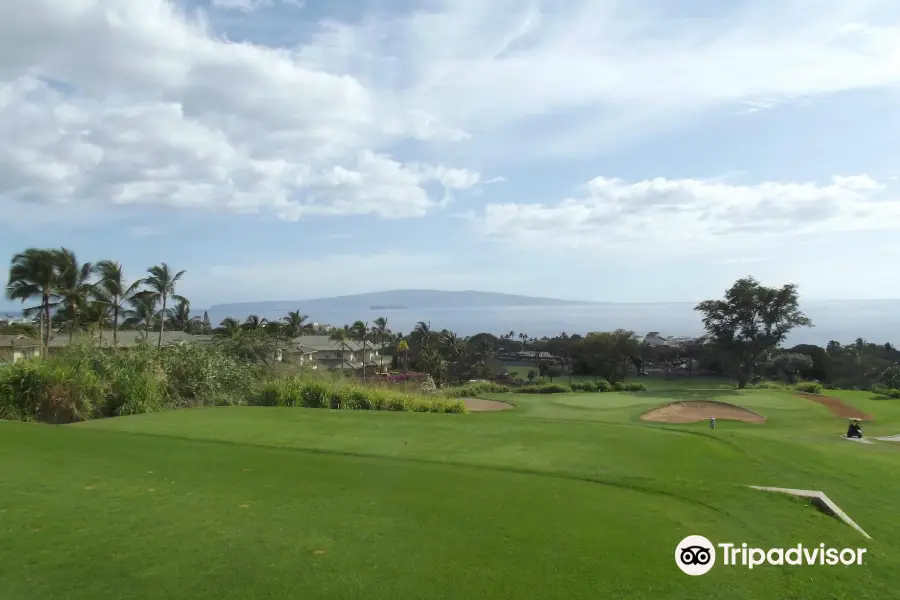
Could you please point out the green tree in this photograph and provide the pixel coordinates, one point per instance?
(531, 374)
(543, 368)
(295, 323)
(161, 283)
(113, 289)
(141, 312)
(790, 364)
(33, 274)
(340, 335)
(228, 328)
(606, 354)
(381, 334)
(180, 316)
(890, 377)
(751, 320)
(74, 286)
(359, 332)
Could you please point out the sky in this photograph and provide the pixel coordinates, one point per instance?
(607, 150)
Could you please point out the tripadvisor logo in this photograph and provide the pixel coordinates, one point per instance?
(696, 555)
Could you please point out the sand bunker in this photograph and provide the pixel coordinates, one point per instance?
(479, 405)
(837, 407)
(692, 411)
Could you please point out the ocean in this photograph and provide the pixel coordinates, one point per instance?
(841, 320)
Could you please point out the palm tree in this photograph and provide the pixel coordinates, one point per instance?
(422, 335)
(180, 316)
(381, 333)
(161, 284)
(73, 286)
(33, 274)
(253, 323)
(276, 330)
(295, 323)
(362, 334)
(142, 311)
(96, 314)
(341, 336)
(229, 327)
(403, 350)
(113, 289)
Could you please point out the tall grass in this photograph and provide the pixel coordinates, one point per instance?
(84, 382)
(315, 393)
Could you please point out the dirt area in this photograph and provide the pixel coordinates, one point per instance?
(693, 411)
(837, 407)
(479, 405)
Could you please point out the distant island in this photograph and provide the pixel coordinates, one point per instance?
(392, 300)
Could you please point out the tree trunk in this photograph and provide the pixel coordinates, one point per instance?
(41, 321)
(116, 324)
(100, 334)
(743, 377)
(162, 322)
(72, 325)
(46, 310)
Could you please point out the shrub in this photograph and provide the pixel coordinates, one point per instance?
(547, 388)
(886, 391)
(599, 385)
(767, 385)
(634, 386)
(49, 391)
(809, 387)
(315, 393)
(473, 390)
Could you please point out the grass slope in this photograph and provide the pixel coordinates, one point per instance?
(568, 496)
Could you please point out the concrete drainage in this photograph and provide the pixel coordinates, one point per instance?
(820, 501)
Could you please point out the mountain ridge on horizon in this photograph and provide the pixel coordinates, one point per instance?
(415, 298)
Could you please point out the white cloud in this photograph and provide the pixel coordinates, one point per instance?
(685, 216)
(124, 102)
(245, 6)
(121, 102)
(615, 68)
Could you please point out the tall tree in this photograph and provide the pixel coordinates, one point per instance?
(340, 335)
(141, 312)
(229, 327)
(362, 335)
(161, 283)
(33, 275)
(295, 323)
(750, 320)
(113, 289)
(74, 286)
(381, 334)
(253, 323)
(180, 316)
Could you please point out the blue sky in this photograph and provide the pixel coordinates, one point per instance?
(588, 149)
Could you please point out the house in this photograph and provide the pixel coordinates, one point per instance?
(654, 339)
(127, 339)
(16, 347)
(315, 350)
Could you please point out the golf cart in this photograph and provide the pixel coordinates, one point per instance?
(854, 430)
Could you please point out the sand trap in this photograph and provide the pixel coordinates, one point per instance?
(479, 405)
(837, 407)
(692, 411)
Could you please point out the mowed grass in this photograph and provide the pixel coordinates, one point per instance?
(567, 496)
